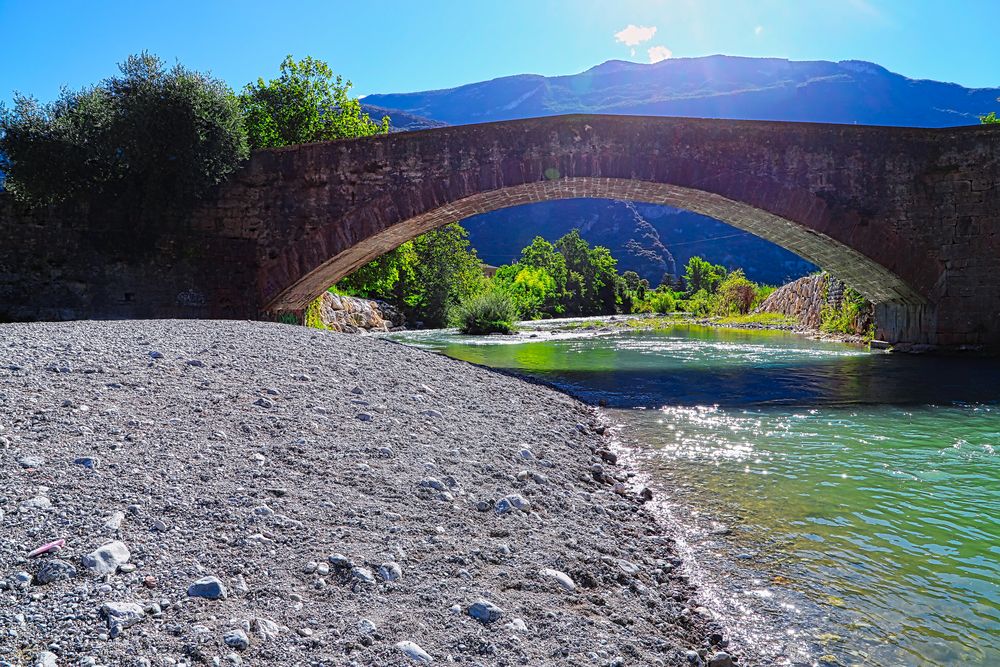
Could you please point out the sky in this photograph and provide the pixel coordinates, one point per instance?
(390, 46)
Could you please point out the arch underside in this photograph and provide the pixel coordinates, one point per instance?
(845, 263)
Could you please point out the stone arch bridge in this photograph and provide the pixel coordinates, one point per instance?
(909, 217)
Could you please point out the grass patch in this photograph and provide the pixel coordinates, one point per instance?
(762, 319)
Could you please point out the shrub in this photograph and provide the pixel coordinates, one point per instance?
(735, 295)
(660, 301)
(493, 311)
(854, 316)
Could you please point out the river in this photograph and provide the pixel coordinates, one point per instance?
(838, 506)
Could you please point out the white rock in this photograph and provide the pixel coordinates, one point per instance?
(107, 559)
(414, 652)
(266, 629)
(512, 503)
(390, 571)
(560, 578)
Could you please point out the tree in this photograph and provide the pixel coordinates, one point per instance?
(702, 275)
(305, 104)
(990, 118)
(735, 295)
(446, 272)
(151, 137)
(379, 278)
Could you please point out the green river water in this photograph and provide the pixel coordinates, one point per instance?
(838, 506)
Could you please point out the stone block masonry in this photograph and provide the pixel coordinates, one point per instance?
(908, 217)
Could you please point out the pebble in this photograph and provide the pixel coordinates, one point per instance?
(266, 629)
(45, 659)
(721, 659)
(485, 612)
(363, 574)
(36, 503)
(106, 559)
(512, 503)
(366, 627)
(390, 571)
(208, 587)
(53, 570)
(89, 462)
(364, 416)
(31, 461)
(340, 561)
(561, 578)
(237, 639)
(114, 522)
(414, 652)
(121, 615)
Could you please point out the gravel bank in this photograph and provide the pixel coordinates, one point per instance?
(284, 496)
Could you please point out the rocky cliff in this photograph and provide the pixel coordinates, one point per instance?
(348, 314)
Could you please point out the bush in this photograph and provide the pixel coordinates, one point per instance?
(660, 301)
(150, 138)
(735, 295)
(700, 303)
(854, 316)
(493, 311)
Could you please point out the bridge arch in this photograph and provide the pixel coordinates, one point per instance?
(910, 217)
(863, 273)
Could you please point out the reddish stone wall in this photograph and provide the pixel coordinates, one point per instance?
(910, 217)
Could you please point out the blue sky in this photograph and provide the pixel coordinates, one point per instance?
(395, 46)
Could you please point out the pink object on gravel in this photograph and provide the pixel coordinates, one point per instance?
(55, 545)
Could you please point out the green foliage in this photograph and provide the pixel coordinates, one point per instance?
(150, 137)
(313, 317)
(492, 311)
(305, 104)
(427, 276)
(990, 118)
(700, 303)
(852, 317)
(662, 300)
(532, 288)
(446, 272)
(592, 281)
(379, 278)
(700, 274)
(735, 295)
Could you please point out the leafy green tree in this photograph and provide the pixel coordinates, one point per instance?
(702, 275)
(447, 271)
(543, 255)
(151, 137)
(305, 104)
(380, 278)
(990, 118)
(532, 288)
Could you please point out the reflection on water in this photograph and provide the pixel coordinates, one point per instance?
(863, 490)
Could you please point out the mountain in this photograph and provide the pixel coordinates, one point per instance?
(848, 91)
(634, 233)
(400, 121)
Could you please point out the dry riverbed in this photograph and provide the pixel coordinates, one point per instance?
(233, 492)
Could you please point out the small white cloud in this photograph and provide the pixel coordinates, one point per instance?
(758, 30)
(633, 35)
(658, 53)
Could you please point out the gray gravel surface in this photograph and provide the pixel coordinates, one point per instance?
(284, 496)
